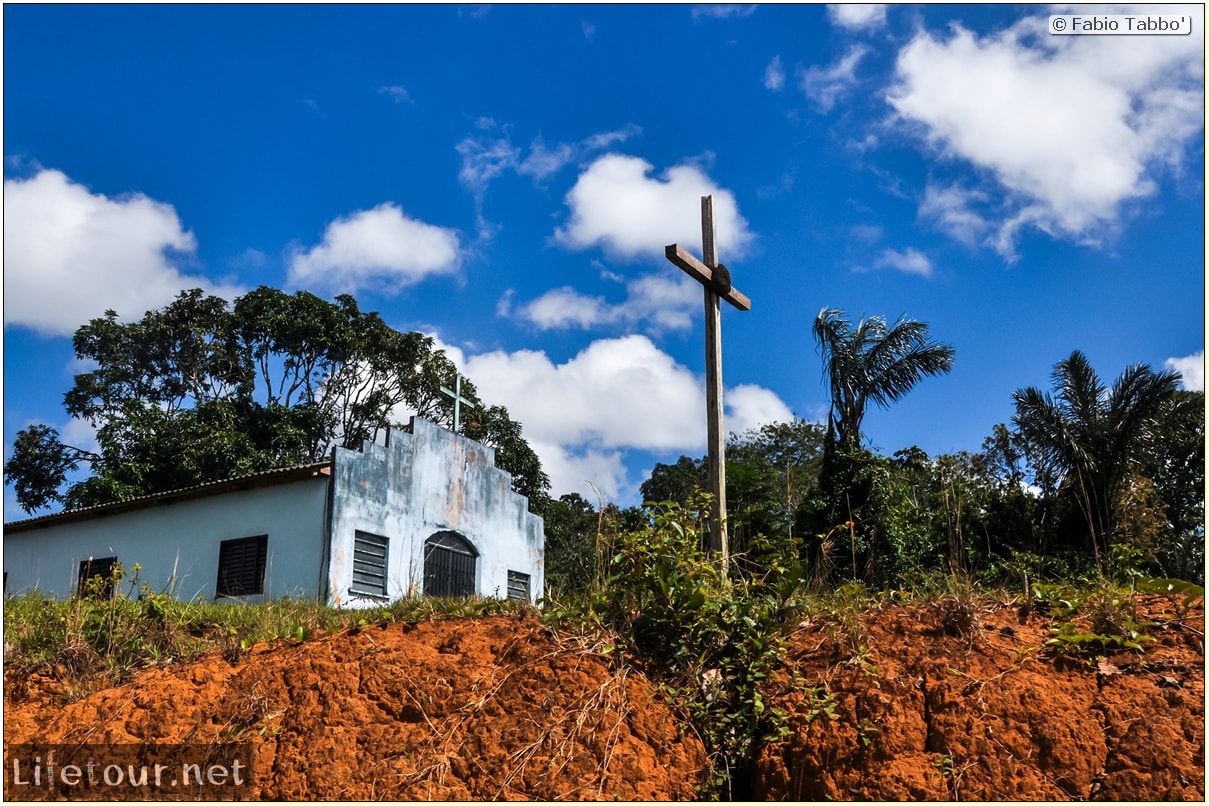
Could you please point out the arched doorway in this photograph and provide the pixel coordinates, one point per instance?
(449, 565)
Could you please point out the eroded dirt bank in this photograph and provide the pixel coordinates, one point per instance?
(940, 704)
(484, 709)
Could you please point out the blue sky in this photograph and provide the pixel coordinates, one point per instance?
(505, 178)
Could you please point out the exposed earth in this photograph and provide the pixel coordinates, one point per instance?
(945, 701)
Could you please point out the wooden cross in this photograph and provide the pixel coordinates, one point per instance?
(716, 279)
(458, 400)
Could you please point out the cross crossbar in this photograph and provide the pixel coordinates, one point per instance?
(458, 400)
(717, 280)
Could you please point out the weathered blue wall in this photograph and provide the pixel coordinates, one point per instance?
(429, 481)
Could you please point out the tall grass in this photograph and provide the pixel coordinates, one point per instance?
(109, 637)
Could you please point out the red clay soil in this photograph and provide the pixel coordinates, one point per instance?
(951, 702)
(945, 702)
(490, 709)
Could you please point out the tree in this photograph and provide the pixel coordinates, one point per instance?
(791, 451)
(875, 363)
(1088, 434)
(203, 390)
(1173, 458)
(872, 363)
(676, 483)
(573, 554)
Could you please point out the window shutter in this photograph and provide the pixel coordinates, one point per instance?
(518, 586)
(241, 566)
(369, 564)
(95, 567)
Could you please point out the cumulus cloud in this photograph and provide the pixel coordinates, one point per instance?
(1192, 368)
(825, 85)
(774, 75)
(751, 406)
(1067, 128)
(857, 15)
(380, 248)
(912, 261)
(617, 395)
(666, 302)
(70, 254)
(617, 206)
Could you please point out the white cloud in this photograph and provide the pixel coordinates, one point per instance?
(484, 159)
(489, 155)
(751, 406)
(857, 15)
(380, 248)
(722, 11)
(666, 302)
(70, 254)
(565, 307)
(585, 471)
(951, 208)
(1192, 368)
(398, 92)
(615, 205)
(1069, 128)
(774, 75)
(911, 261)
(616, 395)
(615, 392)
(825, 85)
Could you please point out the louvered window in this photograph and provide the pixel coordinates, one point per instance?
(369, 564)
(241, 566)
(449, 565)
(93, 568)
(518, 586)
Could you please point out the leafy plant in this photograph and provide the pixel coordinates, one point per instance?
(1070, 639)
(1181, 594)
(714, 644)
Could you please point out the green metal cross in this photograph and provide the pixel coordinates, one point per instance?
(458, 400)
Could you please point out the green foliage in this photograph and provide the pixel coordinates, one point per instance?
(713, 644)
(872, 362)
(1172, 457)
(1087, 434)
(1181, 594)
(677, 483)
(202, 390)
(1072, 640)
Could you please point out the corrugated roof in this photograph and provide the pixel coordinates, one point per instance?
(279, 475)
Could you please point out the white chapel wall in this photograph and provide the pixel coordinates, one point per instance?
(177, 544)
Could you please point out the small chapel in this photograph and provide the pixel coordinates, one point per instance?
(428, 513)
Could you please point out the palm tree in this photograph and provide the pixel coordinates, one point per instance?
(872, 362)
(1088, 434)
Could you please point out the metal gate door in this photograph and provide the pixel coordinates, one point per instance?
(449, 565)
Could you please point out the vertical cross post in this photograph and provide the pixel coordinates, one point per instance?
(715, 278)
(458, 400)
(713, 390)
